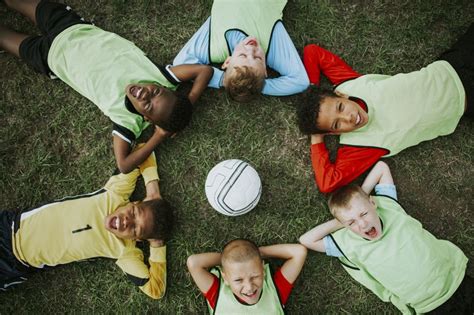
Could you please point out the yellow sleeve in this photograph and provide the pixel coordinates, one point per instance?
(156, 285)
(149, 169)
(152, 281)
(123, 184)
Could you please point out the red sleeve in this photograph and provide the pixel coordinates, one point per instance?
(211, 294)
(317, 59)
(282, 285)
(350, 163)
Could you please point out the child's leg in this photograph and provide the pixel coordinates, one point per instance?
(461, 57)
(10, 40)
(51, 18)
(25, 7)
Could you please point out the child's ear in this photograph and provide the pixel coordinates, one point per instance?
(224, 277)
(226, 63)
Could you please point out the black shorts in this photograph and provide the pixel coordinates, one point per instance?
(51, 19)
(461, 57)
(12, 271)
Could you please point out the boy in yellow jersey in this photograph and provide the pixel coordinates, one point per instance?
(99, 224)
(390, 253)
(111, 72)
(241, 283)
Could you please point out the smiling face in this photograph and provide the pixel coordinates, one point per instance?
(130, 222)
(340, 114)
(247, 53)
(153, 102)
(361, 217)
(245, 279)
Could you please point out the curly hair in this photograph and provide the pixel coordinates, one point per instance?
(162, 218)
(308, 109)
(179, 116)
(244, 84)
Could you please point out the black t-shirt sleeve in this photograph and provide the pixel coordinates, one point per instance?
(123, 133)
(169, 75)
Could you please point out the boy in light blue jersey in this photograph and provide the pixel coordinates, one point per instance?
(390, 253)
(247, 49)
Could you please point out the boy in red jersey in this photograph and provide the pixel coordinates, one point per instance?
(378, 115)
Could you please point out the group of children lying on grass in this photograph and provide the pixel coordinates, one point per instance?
(376, 241)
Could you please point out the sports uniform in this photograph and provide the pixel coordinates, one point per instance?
(229, 24)
(403, 110)
(407, 265)
(97, 64)
(275, 292)
(73, 229)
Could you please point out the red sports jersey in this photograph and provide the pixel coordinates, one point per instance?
(350, 161)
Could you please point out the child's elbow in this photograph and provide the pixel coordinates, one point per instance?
(123, 168)
(303, 241)
(300, 251)
(191, 262)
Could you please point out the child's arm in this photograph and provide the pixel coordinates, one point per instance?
(294, 254)
(350, 163)
(283, 57)
(200, 74)
(127, 161)
(380, 174)
(198, 265)
(313, 239)
(149, 171)
(317, 59)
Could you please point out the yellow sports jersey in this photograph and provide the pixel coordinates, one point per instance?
(73, 229)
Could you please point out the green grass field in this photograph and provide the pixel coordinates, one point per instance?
(54, 143)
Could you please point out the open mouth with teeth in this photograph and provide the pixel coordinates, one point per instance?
(250, 297)
(372, 233)
(113, 223)
(136, 91)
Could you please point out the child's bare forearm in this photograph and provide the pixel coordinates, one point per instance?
(127, 161)
(293, 254)
(380, 174)
(313, 239)
(200, 83)
(198, 265)
(152, 190)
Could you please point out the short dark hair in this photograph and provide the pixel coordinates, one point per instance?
(239, 250)
(162, 218)
(244, 83)
(179, 117)
(308, 109)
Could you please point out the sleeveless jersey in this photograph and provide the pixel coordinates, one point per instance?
(407, 265)
(99, 65)
(227, 303)
(407, 108)
(252, 17)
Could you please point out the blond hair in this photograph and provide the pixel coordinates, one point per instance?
(341, 199)
(239, 250)
(244, 83)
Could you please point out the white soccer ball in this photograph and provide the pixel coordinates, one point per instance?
(233, 187)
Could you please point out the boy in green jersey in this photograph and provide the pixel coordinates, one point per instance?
(390, 253)
(111, 72)
(241, 283)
